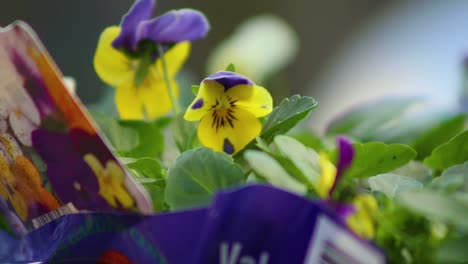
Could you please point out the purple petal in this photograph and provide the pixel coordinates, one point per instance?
(140, 11)
(174, 26)
(345, 158)
(229, 79)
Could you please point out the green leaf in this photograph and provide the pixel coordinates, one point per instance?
(268, 168)
(195, 89)
(150, 139)
(197, 174)
(185, 133)
(156, 192)
(392, 184)
(375, 158)
(163, 122)
(120, 137)
(364, 121)
(436, 206)
(448, 154)
(286, 115)
(231, 67)
(438, 135)
(149, 167)
(150, 174)
(309, 139)
(305, 161)
(454, 179)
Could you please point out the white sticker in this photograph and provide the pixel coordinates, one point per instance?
(333, 244)
(69, 208)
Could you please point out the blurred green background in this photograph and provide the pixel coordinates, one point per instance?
(70, 30)
(347, 52)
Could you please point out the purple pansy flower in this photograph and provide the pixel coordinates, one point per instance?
(172, 27)
(71, 178)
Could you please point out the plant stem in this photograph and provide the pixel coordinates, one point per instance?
(167, 80)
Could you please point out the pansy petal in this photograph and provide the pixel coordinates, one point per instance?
(327, 176)
(345, 158)
(229, 79)
(254, 99)
(128, 102)
(154, 96)
(112, 66)
(226, 138)
(175, 57)
(205, 99)
(140, 11)
(175, 26)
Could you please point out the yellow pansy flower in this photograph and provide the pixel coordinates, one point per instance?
(228, 106)
(362, 221)
(111, 182)
(151, 97)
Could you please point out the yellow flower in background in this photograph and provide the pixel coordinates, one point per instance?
(143, 54)
(327, 176)
(111, 182)
(149, 99)
(228, 106)
(362, 221)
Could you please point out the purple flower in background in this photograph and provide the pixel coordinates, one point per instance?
(70, 176)
(172, 27)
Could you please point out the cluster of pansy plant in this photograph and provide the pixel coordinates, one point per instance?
(141, 58)
(232, 135)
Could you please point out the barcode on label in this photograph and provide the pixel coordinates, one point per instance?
(333, 244)
(52, 215)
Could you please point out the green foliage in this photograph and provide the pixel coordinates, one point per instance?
(195, 89)
(438, 135)
(231, 67)
(375, 158)
(448, 154)
(197, 174)
(184, 133)
(365, 121)
(149, 173)
(268, 168)
(309, 139)
(131, 138)
(119, 137)
(452, 180)
(286, 115)
(436, 206)
(150, 139)
(392, 184)
(453, 251)
(405, 236)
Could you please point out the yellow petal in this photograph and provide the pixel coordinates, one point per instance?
(128, 102)
(327, 176)
(154, 96)
(175, 57)
(226, 138)
(112, 66)
(206, 97)
(254, 99)
(362, 222)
